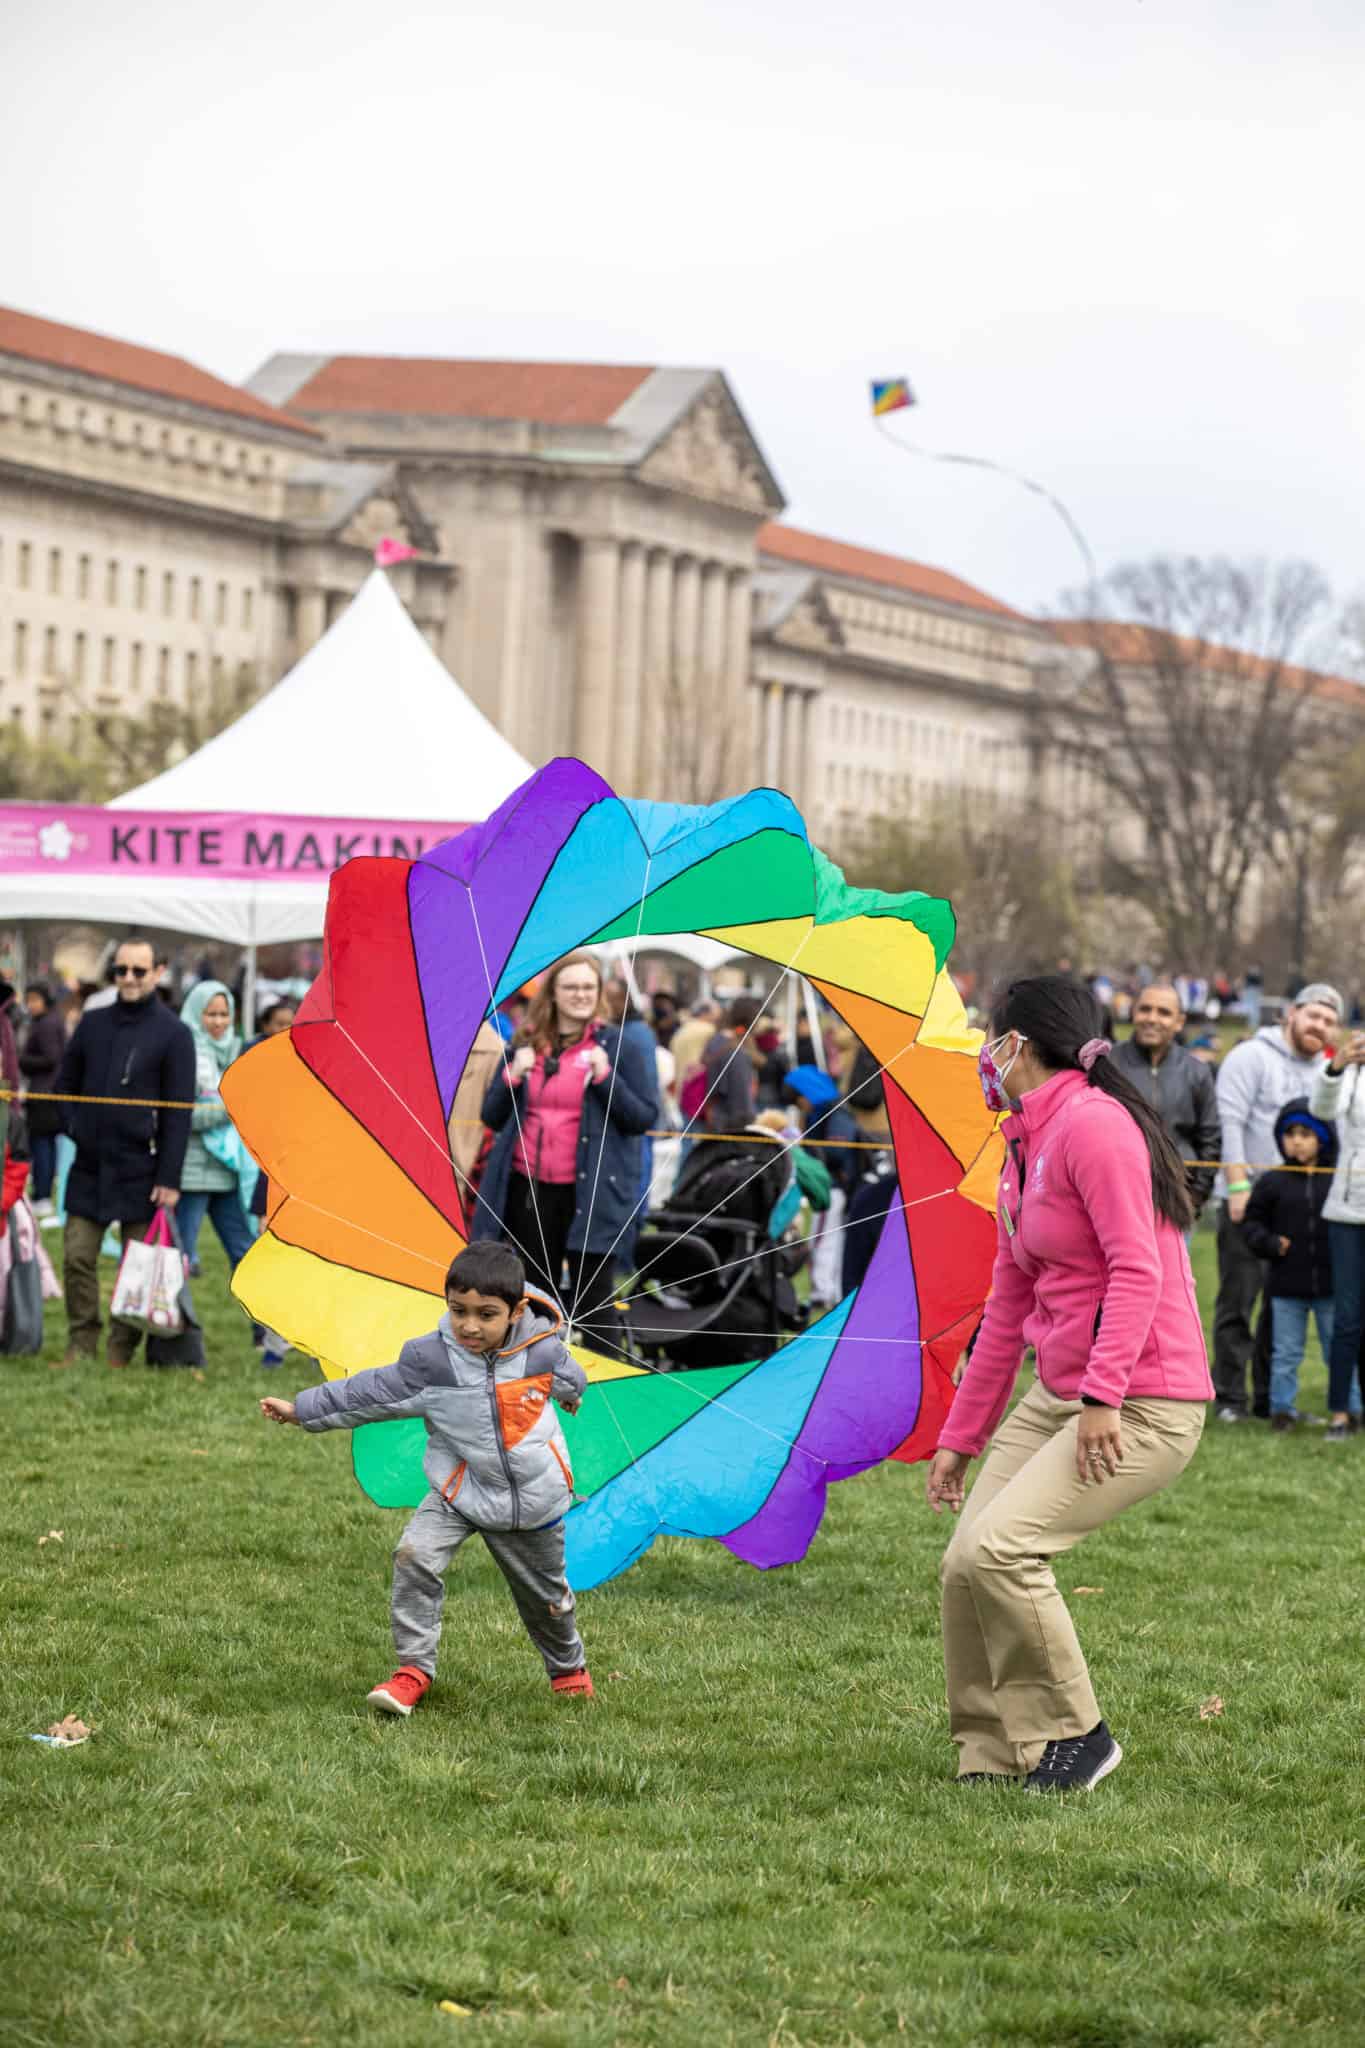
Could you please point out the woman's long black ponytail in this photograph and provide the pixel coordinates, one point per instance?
(1058, 1016)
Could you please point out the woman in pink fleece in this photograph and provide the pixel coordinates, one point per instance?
(1091, 1270)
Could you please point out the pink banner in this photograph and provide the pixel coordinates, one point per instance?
(224, 846)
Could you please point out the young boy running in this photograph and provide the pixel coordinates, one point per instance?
(483, 1382)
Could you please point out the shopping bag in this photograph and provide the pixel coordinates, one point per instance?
(21, 1328)
(184, 1346)
(150, 1276)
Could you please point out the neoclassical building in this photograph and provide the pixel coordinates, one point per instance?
(601, 565)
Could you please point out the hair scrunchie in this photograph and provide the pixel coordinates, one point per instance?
(1092, 1050)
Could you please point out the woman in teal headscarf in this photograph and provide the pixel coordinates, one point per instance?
(215, 1160)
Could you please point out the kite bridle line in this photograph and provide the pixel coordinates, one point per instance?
(512, 1094)
(771, 1250)
(601, 1264)
(739, 1046)
(781, 1145)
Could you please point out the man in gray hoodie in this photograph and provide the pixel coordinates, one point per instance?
(1255, 1081)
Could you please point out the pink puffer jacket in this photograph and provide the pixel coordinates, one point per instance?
(1085, 1270)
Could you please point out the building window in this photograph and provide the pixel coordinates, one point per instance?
(140, 588)
(167, 594)
(220, 616)
(194, 597)
(25, 564)
(50, 651)
(78, 657)
(83, 576)
(54, 572)
(191, 674)
(217, 674)
(20, 647)
(163, 671)
(107, 664)
(111, 583)
(135, 666)
(246, 610)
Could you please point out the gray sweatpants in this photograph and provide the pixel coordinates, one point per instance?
(531, 1561)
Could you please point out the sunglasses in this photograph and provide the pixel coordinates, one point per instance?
(136, 973)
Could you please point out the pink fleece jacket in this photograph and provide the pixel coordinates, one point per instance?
(1085, 1270)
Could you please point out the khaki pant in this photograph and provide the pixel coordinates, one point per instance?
(81, 1284)
(1016, 1676)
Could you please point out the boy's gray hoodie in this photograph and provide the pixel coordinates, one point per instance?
(494, 1446)
(1255, 1081)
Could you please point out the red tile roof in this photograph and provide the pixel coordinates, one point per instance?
(1129, 642)
(124, 362)
(554, 394)
(840, 558)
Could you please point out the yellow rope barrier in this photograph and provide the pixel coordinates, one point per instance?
(696, 1137)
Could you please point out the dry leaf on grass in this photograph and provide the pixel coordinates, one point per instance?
(1210, 1708)
(1078, 1590)
(65, 1734)
(615, 1674)
(52, 1536)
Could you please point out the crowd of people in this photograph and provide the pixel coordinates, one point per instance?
(580, 1104)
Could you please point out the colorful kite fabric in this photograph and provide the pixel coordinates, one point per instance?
(892, 394)
(347, 1115)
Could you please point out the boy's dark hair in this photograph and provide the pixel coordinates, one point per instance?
(488, 1268)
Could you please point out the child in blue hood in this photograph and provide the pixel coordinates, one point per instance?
(1284, 1225)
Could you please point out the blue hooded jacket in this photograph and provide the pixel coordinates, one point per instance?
(1287, 1204)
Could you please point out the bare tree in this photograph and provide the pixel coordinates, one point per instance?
(118, 750)
(1191, 705)
(696, 737)
(1014, 896)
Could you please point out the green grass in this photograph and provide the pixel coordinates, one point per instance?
(752, 1838)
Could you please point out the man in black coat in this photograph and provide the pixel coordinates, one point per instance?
(128, 1161)
(1180, 1088)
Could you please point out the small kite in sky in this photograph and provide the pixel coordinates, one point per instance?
(890, 394)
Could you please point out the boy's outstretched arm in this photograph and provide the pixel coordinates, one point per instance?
(377, 1395)
(275, 1410)
(568, 1382)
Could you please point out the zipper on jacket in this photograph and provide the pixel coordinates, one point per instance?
(1095, 1326)
(502, 1448)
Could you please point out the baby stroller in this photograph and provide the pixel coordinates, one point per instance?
(716, 1265)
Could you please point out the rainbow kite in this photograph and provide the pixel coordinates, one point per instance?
(892, 394)
(347, 1114)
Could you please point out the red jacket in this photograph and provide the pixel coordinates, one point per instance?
(1085, 1270)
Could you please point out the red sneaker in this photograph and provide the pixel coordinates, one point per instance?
(401, 1693)
(574, 1681)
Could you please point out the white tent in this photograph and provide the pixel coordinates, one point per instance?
(368, 725)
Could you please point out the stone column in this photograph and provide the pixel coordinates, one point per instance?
(796, 743)
(772, 735)
(741, 699)
(686, 734)
(630, 665)
(312, 619)
(714, 624)
(657, 681)
(599, 563)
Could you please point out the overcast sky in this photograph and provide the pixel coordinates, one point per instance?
(1114, 243)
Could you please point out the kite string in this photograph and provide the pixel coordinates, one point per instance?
(1015, 476)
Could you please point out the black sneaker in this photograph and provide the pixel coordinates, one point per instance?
(1076, 1763)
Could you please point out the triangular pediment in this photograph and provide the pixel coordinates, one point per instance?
(709, 452)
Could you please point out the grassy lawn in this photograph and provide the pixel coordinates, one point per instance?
(752, 1838)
